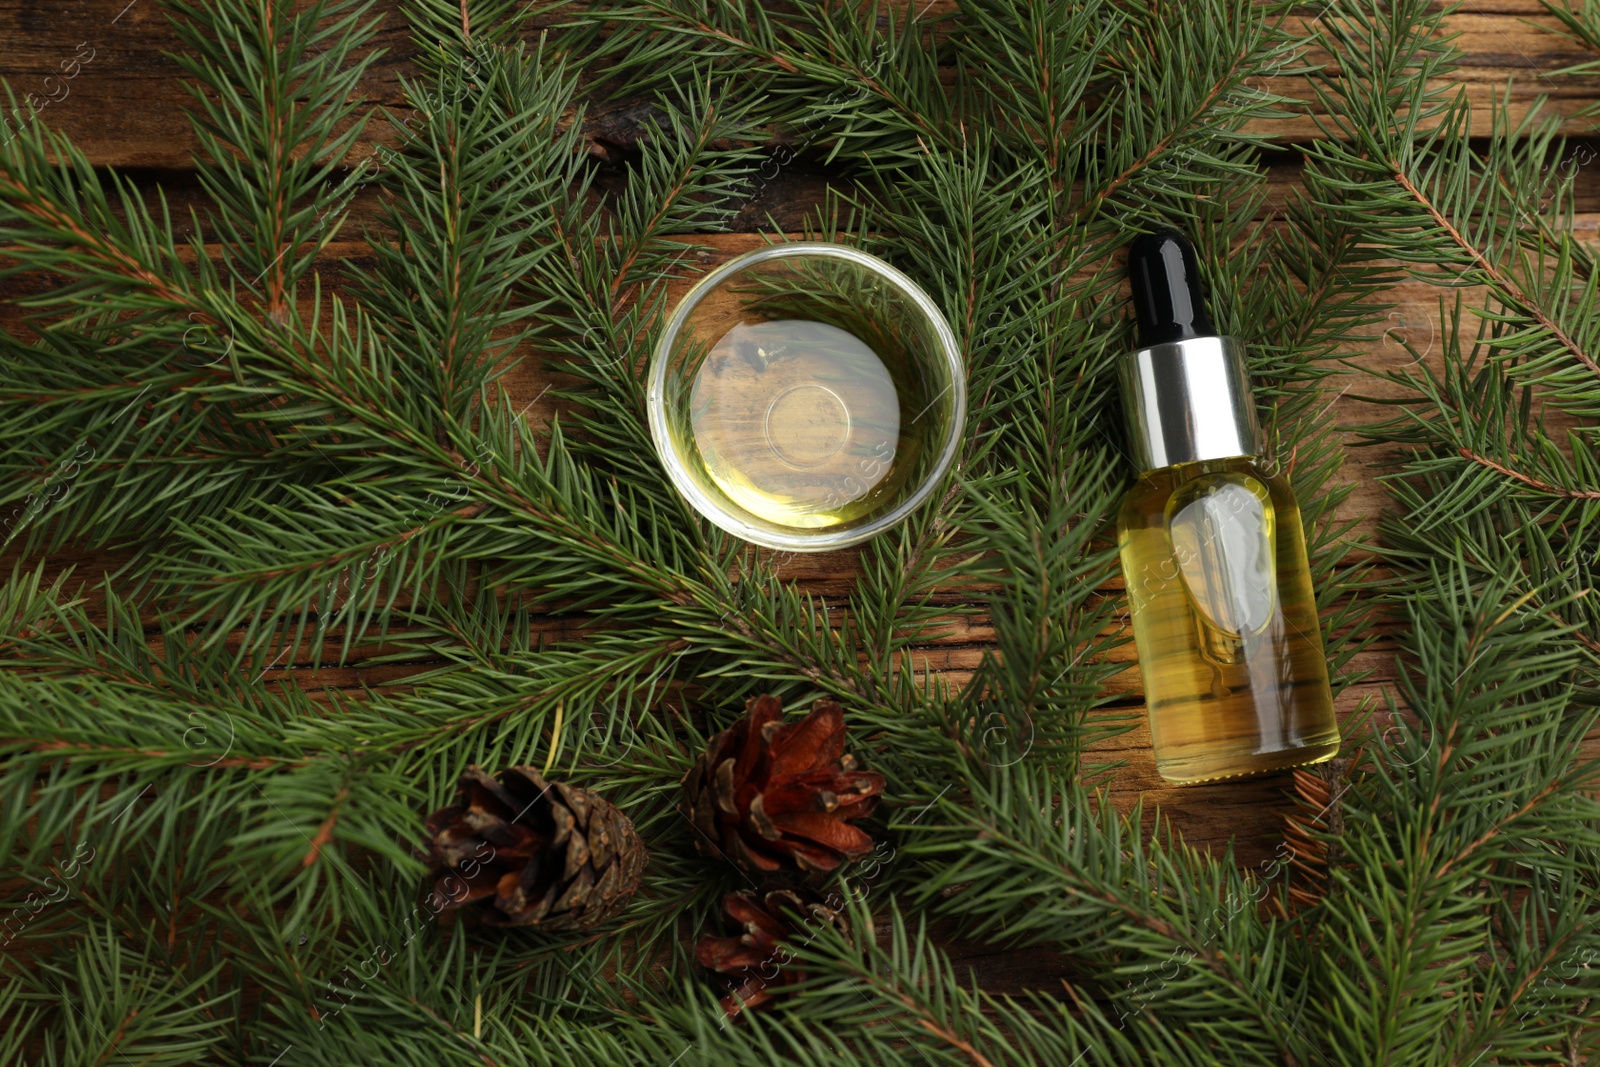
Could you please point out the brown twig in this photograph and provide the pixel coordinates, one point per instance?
(1495, 275)
(103, 250)
(121, 1031)
(467, 511)
(1494, 831)
(663, 649)
(325, 831)
(1528, 480)
(1161, 145)
(925, 1020)
(257, 763)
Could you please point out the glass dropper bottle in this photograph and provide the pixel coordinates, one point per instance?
(1224, 616)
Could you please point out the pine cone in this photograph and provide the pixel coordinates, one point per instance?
(523, 852)
(770, 793)
(756, 958)
(1319, 792)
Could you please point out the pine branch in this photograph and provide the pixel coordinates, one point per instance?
(253, 895)
(271, 135)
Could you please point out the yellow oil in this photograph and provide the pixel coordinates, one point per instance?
(800, 423)
(1225, 622)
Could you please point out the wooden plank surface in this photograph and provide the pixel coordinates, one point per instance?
(125, 109)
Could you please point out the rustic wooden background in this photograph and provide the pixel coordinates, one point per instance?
(125, 110)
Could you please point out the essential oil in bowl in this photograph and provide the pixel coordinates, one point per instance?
(800, 422)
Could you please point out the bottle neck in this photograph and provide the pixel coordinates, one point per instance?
(1189, 401)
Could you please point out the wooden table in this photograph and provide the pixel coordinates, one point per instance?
(125, 109)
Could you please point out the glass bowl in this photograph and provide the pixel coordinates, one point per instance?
(806, 396)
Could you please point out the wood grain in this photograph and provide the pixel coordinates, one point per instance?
(126, 106)
(125, 109)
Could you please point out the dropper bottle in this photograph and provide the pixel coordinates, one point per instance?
(1224, 616)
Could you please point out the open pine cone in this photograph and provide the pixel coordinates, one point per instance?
(523, 852)
(770, 794)
(1320, 792)
(756, 957)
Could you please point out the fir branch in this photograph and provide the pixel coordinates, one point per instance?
(413, 516)
(1527, 479)
(1493, 275)
(271, 135)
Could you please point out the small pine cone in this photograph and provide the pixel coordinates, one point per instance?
(757, 956)
(523, 852)
(1319, 793)
(770, 794)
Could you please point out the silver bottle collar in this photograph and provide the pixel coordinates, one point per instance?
(1188, 401)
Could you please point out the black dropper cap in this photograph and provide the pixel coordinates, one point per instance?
(1167, 297)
